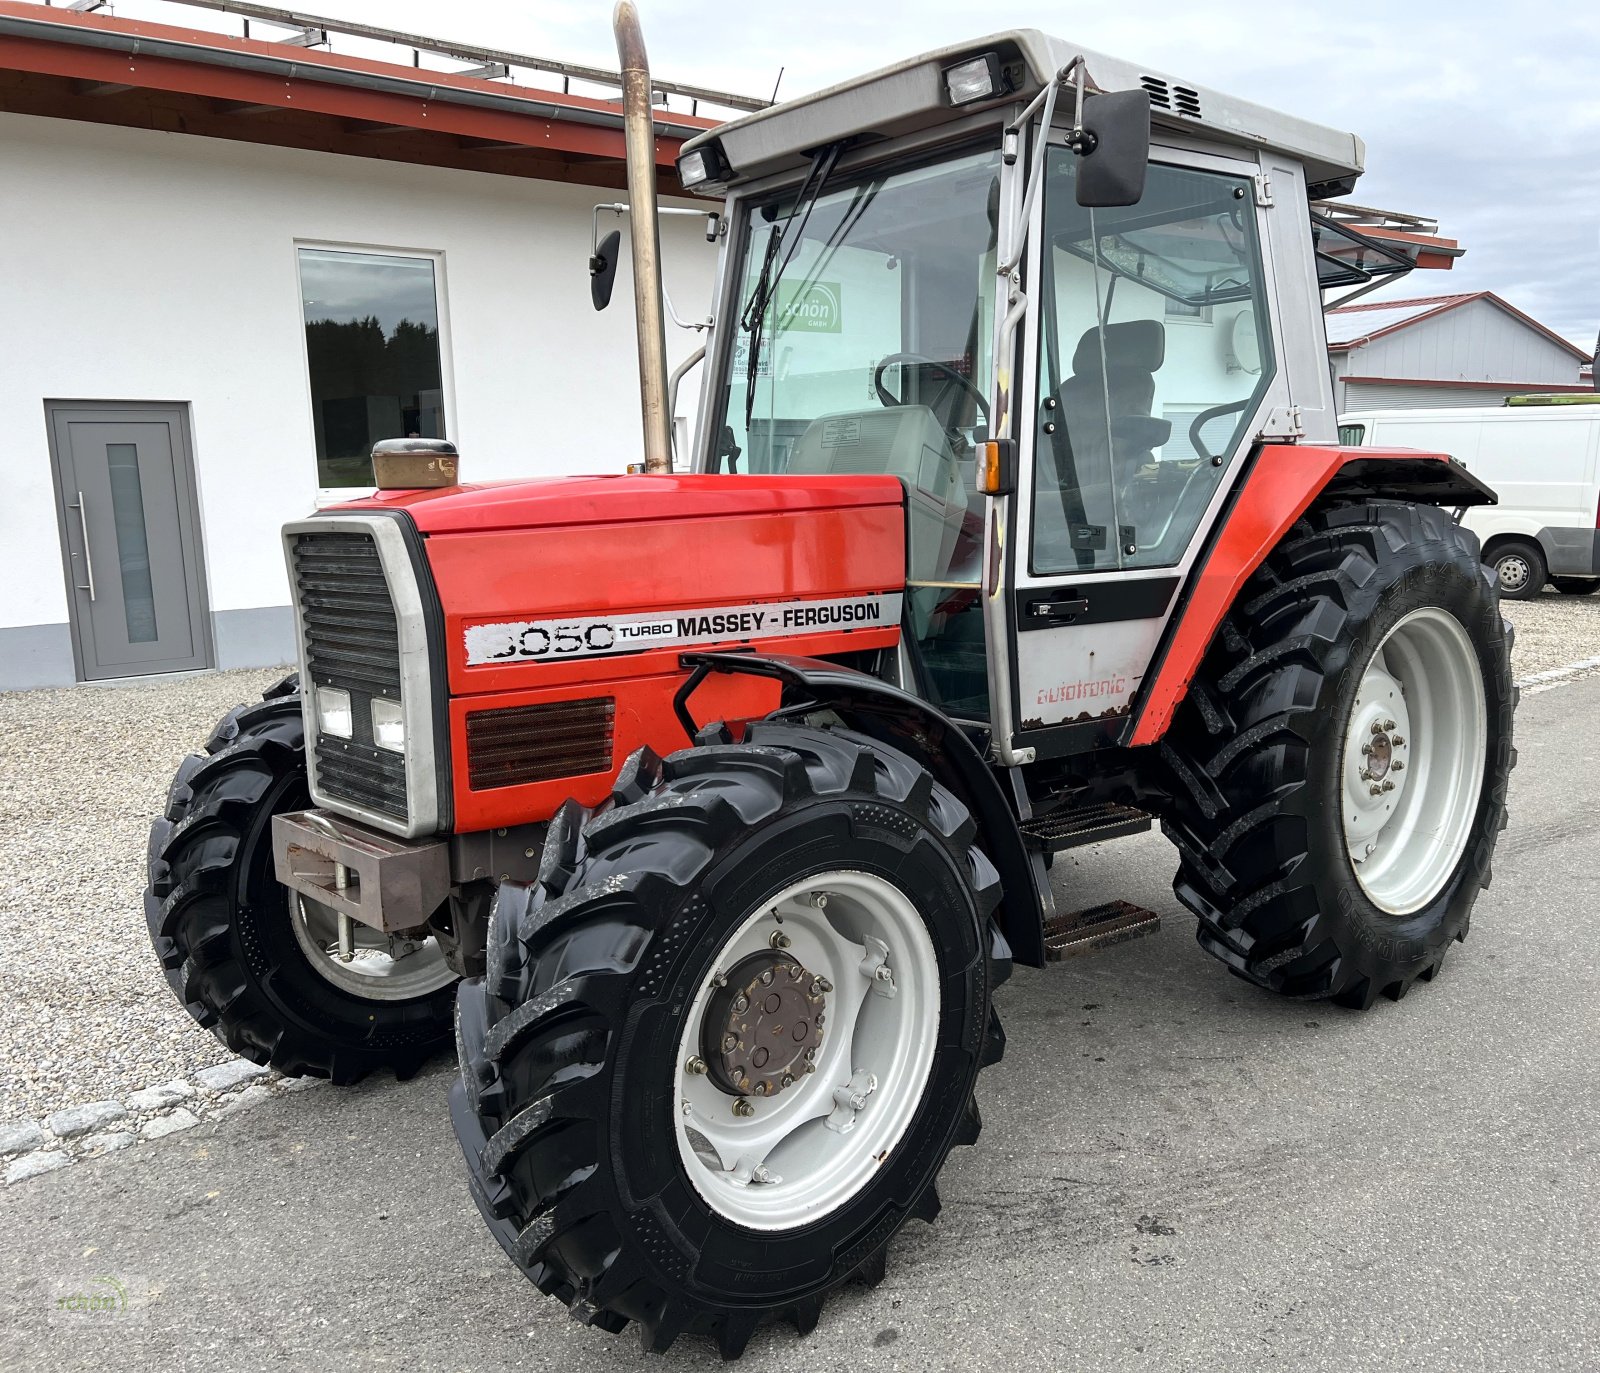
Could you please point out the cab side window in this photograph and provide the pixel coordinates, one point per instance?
(1154, 357)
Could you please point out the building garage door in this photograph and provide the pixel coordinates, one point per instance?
(1369, 397)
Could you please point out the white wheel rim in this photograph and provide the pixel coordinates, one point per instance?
(381, 967)
(784, 1165)
(1513, 571)
(1414, 760)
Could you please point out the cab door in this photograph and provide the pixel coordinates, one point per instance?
(1151, 365)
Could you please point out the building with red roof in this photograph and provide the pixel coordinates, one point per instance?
(1471, 348)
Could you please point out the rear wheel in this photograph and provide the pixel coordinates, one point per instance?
(1576, 586)
(248, 960)
(727, 1040)
(1339, 767)
(1520, 566)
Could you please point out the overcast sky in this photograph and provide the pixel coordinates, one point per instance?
(1483, 115)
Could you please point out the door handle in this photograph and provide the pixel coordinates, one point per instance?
(1058, 610)
(88, 557)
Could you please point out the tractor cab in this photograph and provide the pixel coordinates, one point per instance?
(944, 255)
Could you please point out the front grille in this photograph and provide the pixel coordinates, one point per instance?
(521, 744)
(352, 641)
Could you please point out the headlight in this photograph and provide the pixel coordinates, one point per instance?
(975, 80)
(333, 712)
(705, 163)
(388, 725)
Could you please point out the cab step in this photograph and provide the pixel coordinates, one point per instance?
(1098, 927)
(1079, 825)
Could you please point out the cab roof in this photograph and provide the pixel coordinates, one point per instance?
(910, 95)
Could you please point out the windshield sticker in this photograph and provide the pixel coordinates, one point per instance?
(841, 433)
(609, 635)
(741, 359)
(809, 307)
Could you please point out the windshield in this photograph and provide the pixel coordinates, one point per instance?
(885, 301)
(872, 356)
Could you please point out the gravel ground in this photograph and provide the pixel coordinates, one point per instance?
(84, 1011)
(1554, 630)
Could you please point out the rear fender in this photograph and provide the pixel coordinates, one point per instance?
(919, 730)
(1284, 481)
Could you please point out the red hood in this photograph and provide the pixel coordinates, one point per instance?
(543, 502)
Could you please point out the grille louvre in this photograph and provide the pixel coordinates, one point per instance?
(1183, 99)
(516, 745)
(352, 642)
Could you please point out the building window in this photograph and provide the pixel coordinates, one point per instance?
(372, 346)
(1183, 309)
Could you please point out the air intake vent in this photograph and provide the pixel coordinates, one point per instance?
(522, 744)
(1180, 99)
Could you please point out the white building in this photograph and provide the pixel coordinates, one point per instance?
(233, 264)
(1471, 348)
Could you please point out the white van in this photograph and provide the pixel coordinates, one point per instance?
(1543, 460)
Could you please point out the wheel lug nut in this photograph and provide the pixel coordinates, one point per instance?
(741, 1003)
(779, 940)
(1366, 775)
(1388, 786)
(1397, 766)
(788, 1080)
(761, 1089)
(1366, 750)
(811, 1055)
(1397, 740)
(695, 1066)
(730, 1042)
(766, 978)
(1375, 790)
(741, 1107)
(1388, 724)
(1377, 728)
(811, 1067)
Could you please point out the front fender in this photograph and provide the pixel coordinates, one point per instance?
(920, 730)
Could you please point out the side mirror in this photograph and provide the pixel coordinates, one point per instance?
(1115, 149)
(603, 269)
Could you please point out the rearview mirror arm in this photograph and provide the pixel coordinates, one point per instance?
(620, 208)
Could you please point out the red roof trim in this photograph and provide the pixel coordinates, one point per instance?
(430, 107)
(1518, 386)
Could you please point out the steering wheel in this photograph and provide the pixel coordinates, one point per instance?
(952, 378)
(1205, 417)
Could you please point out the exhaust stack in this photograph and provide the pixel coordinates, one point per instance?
(640, 136)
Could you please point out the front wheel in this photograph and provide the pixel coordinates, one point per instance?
(1339, 768)
(261, 968)
(725, 1043)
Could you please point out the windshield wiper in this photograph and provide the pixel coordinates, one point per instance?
(766, 287)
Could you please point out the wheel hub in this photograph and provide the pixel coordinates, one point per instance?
(762, 1030)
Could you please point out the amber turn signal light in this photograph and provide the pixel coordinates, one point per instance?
(997, 467)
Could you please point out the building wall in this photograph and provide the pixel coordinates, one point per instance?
(152, 266)
(1476, 342)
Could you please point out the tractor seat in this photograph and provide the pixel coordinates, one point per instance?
(1108, 398)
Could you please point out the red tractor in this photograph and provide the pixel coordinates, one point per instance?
(708, 809)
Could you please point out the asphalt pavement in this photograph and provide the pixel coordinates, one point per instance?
(1176, 1172)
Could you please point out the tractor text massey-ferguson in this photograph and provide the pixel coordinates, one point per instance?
(1015, 519)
